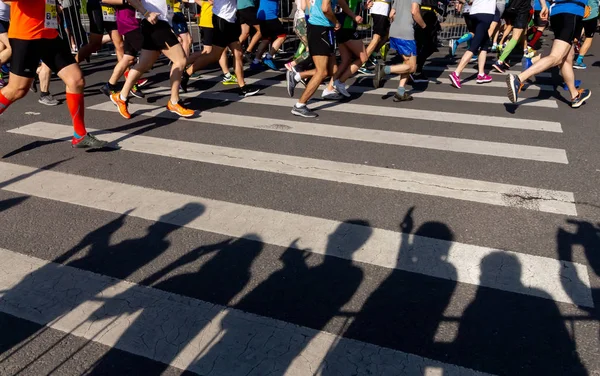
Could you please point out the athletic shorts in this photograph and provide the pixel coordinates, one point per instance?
(469, 22)
(97, 23)
(498, 14)
(518, 20)
(589, 27)
(26, 55)
(537, 19)
(133, 42)
(207, 35)
(225, 32)
(272, 29)
(159, 36)
(4, 26)
(403, 46)
(566, 26)
(344, 35)
(381, 25)
(180, 25)
(321, 40)
(247, 16)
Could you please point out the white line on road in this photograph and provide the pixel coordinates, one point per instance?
(536, 276)
(186, 333)
(515, 196)
(459, 145)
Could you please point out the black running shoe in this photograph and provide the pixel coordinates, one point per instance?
(291, 82)
(379, 75)
(420, 78)
(137, 92)
(248, 91)
(402, 98)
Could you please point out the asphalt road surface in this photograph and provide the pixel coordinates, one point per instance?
(457, 234)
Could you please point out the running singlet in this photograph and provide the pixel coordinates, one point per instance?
(344, 19)
(177, 6)
(576, 7)
(33, 19)
(316, 15)
(206, 14)
(268, 10)
(126, 20)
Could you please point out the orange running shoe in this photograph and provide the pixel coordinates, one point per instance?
(180, 110)
(121, 105)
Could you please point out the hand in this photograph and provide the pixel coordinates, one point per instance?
(337, 26)
(544, 14)
(369, 4)
(358, 19)
(152, 18)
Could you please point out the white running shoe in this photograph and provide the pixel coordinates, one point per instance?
(341, 88)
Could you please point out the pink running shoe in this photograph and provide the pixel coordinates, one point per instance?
(455, 80)
(483, 78)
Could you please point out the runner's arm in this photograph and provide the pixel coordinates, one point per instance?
(344, 5)
(416, 14)
(150, 16)
(328, 12)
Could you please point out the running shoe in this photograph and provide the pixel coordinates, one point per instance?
(87, 141)
(500, 66)
(529, 53)
(248, 91)
(137, 92)
(48, 100)
(584, 95)
(331, 95)
(494, 47)
(402, 98)
(270, 63)
(455, 80)
(304, 111)
(379, 75)
(291, 83)
(256, 66)
(248, 57)
(514, 86)
(483, 78)
(5, 69)
(185, 81)
(289, 66)
(341, 88)
(195, 76)
(420, 78)
(3, 83)
(142, 82)
(474, 59)
(180, 110)
(33, 88)
(229, 80)
(106, 90)
(579, 65)
(364, 70)
(121, 105)
(452, 46)
(384, 51)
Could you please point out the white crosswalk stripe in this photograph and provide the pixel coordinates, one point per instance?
(207, 337)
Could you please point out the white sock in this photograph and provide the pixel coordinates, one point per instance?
(121, 97)
(299, 105)
(173, 103)
(227, 75)
(297, 77)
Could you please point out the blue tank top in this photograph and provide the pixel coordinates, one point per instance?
(316, 16)
(576, 7)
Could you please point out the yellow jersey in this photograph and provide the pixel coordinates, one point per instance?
(206, 14)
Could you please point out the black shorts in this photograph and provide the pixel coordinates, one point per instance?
(4, 26)
(566, 26)
(180, 25)
(133, 42)
(381, 25)
(97, 23)
(225, 32)
(537, 19)
(159, 36)
(272, 29)
(344, 35)
(26, 55)
(207, 35)
(469, 22)
(321, 41)
(247, 16)
(589, 27)
(518, 20)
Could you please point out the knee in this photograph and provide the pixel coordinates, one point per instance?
(76, 83)
(128, 60)
(179, 63)
(412, 67)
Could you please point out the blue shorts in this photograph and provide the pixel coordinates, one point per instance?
(404, 47)
(180, 24)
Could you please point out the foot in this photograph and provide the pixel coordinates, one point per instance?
(452, 47)
(402, 98)
(256, 66)
(331, 94)
(229, 80)
(379, 75)
(304, 111)
(341, 88)
(121, 105)
(195, 76)
(579, 65)
(584, 94)
(180, 110)
(420, 78)
(2, 83)
(48, 100)
(270, 63)
(88, 141)
(455, 80)
(137, 92)
(142, 82)
(483, 78)
(107, 89)
(514, 86)
(291, 83)
(500, 66)
(248, 91)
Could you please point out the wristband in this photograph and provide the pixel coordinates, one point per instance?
(146, 14)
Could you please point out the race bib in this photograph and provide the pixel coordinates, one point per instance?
(51, 17)
(109, 14)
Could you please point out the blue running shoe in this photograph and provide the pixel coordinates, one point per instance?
(5, 68)
(270, 63)
(579, 65)
(584, 94)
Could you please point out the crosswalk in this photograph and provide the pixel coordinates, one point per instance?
(255, 259)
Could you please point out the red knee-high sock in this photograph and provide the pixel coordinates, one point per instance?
(536, 36)
(4, 103)
(76, 108)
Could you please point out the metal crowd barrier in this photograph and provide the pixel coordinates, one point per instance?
(452, 23)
